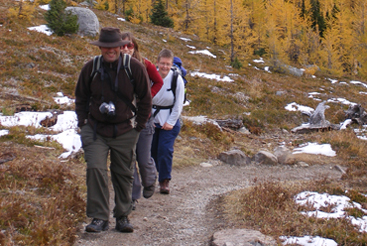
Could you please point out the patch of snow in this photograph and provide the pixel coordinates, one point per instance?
(212, 76)
(42, 29)
(204, 52)
(316, 149)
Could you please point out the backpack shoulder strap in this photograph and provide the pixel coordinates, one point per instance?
(96, 66)
(174, 82)
(126, 63)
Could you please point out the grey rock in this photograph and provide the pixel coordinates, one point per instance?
(293, 70)
(231, 123)
(241, 237)
(87, 20)
(303, 164)
(283, 154)
(280, 93)
(264, 157)
(234, 157)
(244, 130)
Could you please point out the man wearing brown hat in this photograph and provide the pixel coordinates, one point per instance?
(105, 109)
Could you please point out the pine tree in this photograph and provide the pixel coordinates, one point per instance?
(60, 21)
(318, 20)
(160, 16)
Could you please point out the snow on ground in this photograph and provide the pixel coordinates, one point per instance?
(185, 39)
(338, 205)
(212, 76)
(45, 7)
(296, 107)
(260, 60)
(316, 149)
(308, 241)
(204, 52)
(341, 100)
(42, 29)
(61, 99)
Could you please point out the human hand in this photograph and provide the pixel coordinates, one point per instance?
(167, 127)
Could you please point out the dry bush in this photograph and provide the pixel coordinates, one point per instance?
(264, 205)
(42, 202)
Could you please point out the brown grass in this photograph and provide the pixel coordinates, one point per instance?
(41, 201)
(271, 203)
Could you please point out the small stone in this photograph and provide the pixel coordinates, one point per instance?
(303, 164)
(205, 164)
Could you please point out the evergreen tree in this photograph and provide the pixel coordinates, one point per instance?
(318, 20)
(160, 16)
(60, 21)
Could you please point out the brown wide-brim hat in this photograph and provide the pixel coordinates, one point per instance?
(110, 37)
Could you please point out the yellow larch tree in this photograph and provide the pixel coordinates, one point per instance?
(257, 24)
(360, 31)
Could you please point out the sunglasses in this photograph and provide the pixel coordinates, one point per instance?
(130, 46)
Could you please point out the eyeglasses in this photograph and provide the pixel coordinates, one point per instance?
(130, 46)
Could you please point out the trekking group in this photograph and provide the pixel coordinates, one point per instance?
(127, 109)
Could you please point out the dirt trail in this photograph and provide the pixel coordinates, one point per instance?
(184, 217)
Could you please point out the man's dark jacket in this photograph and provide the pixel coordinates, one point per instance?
(91, 94)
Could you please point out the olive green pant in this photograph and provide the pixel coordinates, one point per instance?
(122, 154)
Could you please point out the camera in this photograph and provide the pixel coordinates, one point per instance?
(107, 108)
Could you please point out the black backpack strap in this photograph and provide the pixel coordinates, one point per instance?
(174, 83)
(127, 68)
(97, 61)
(158, 108)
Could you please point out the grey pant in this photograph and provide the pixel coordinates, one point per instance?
(122, 154)
(147, 169)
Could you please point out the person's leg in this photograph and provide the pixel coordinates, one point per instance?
(144, 158)
(122, 170)
(136, 193)
(154, 147)
(164, 153)
(95, 154)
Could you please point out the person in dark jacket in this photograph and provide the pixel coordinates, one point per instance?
(105, 105)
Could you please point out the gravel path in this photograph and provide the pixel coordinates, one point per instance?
(185, 217)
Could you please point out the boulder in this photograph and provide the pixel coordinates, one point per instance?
(87, 20)
(284, 155)
(264, 157)
(235, 157)
(243, 237)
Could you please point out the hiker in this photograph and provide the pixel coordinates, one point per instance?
(105, 106)
(146, 164)
(167, 107)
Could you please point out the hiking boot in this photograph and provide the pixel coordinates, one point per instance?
(134, 204)
(164, 189)
(123, 224)
(148, 191)
(97, 225)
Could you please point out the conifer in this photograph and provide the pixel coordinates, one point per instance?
(160, 16)
(59, 20)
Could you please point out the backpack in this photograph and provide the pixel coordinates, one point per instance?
(178, 69)
(97, 65)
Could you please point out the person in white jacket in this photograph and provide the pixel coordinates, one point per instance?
(167, 108)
